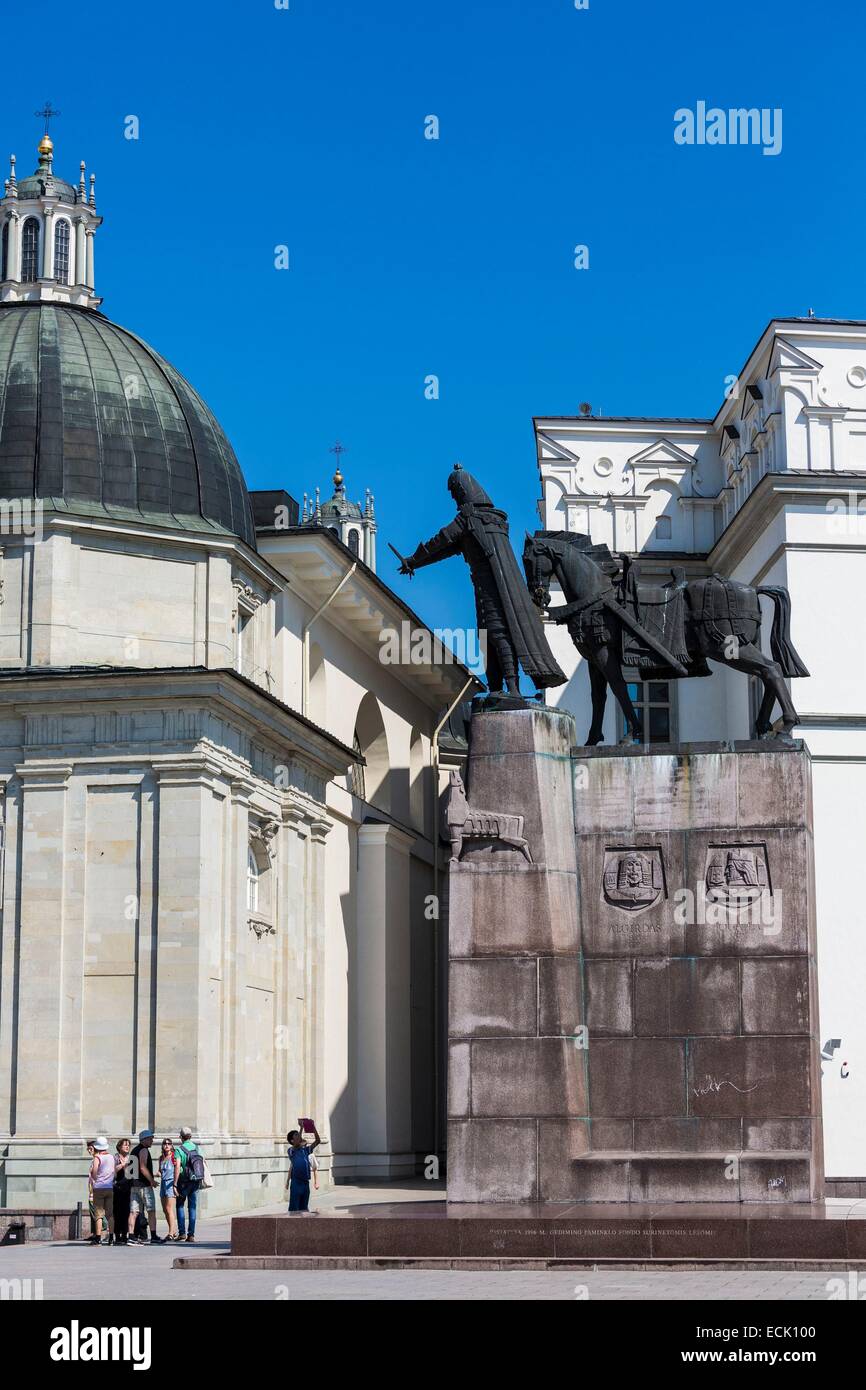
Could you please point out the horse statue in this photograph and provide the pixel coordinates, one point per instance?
(666, 631)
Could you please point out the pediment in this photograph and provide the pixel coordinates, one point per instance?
(662, 454)
(553, 450)
(752, 396)
(787, 357)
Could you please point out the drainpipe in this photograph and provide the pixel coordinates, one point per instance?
(305, 638)
(434, 763)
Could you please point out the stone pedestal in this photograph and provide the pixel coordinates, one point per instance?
(633, 1014)
(516, 1077)
(696, 885)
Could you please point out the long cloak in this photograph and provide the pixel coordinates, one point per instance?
(488, 527)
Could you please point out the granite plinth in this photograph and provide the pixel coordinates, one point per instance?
(515, 985)
(648, 1232)
(697, 919)
(633, 1015)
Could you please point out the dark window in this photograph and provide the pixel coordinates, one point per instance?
(30, 251)
(353, 541)
(356, 773)
(61, 252)
(653, 702)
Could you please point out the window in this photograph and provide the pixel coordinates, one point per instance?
(653, 701)
(4, 254)
(356, 772)
(243, 641)
(61, 252)
(353, 541)
(252, 882)
(30, 250)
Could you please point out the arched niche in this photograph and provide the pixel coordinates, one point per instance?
(373, 744)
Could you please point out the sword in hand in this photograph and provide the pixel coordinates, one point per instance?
(406, 566)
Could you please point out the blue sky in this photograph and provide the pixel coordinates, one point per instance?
(410, 257)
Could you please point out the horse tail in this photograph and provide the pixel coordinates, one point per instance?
(781, 646)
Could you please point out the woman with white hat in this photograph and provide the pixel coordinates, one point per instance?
(102, 1182)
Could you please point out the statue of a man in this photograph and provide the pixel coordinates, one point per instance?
(508, 621)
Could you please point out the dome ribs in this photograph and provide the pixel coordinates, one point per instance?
(18, 429)
(89, 413)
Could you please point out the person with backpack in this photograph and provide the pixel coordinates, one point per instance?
(298, 1176)
(192, 1173)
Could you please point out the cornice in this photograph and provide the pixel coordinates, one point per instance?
(769, 495)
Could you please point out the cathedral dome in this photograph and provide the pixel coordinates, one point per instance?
(95, 422)
(339, 505)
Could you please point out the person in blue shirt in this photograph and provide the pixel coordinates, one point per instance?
(298, 1176)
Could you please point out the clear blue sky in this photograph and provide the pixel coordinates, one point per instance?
(260, 126)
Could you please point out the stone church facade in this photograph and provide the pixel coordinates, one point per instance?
(217, 804)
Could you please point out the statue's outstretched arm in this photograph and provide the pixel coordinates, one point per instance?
(447, 542)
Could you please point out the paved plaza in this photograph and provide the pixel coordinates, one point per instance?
(73, 1270)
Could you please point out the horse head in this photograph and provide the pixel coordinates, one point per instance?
(539, 566)
(581, 567)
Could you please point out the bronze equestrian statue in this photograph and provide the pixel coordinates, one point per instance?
(509, 626)
(666, 631)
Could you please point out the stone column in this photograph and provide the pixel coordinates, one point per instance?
(80, 251)
(383, 1002)
(289, 1077)
(42, 861)
(181, 1047)
(314, 971)
(8, 896)
(90, 276)
(48, 245)
(233, 1031)
(13, 253)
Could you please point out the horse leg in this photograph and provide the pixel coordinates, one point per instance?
(612, 671)
(752, 660)
(762, 722)
(598, 689)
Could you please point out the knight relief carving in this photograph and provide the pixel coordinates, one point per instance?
(736, 874)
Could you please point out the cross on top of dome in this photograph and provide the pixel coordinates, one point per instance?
(353, 522)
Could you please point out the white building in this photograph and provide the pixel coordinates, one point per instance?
(772, 490)
(217, 803)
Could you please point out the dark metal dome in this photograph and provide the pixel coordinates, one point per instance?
(94, 421)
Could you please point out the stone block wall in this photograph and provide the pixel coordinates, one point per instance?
(515, 992)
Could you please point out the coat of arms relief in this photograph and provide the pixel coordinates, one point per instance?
(633, 878)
